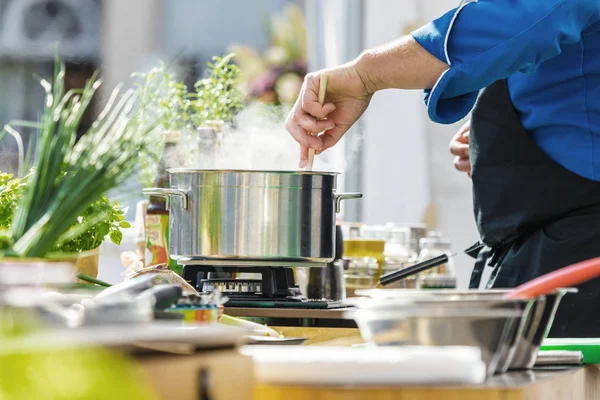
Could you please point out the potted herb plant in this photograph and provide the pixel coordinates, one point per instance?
(60, 208)
(87, 244)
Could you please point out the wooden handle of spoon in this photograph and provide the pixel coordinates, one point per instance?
(322, 92)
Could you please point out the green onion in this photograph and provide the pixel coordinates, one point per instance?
(67, 176)
(90, 279)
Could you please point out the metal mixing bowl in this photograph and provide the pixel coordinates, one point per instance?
(491, 326)
(532, 330)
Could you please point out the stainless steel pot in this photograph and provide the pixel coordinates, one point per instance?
(252, 217)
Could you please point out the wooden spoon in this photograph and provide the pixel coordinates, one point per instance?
(322, 91)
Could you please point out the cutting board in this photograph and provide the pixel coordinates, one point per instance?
(369, 366)
(589, 347)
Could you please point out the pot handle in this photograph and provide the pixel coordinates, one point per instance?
(344, 196)
(167, 193)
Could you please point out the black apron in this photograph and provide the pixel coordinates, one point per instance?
(533, 215)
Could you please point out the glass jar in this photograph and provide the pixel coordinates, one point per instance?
(416, 232)
(361, 274)
(398, 249)
(362, 241)
(432, 246)
(442, 276)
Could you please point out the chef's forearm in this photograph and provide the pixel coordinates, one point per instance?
(402, 64)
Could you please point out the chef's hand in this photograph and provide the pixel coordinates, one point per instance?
(346, 100)
(459, 146)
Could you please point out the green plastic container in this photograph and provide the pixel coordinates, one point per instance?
(589, 347)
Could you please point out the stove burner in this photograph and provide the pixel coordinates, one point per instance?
(232, 286)
(275, 282)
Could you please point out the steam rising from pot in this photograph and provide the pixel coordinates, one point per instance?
(259, 141)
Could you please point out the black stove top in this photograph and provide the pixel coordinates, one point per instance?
(276, 287)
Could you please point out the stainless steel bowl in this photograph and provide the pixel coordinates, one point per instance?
(530, 333)
(536, 329)
(485, 325)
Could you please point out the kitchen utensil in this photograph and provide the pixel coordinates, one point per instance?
(131, 286)
(164, 295)
(559, 357)
(589, 347)
(568, 276)
(325, 365)
(322, 92)
(394, 276)
(118, 310)
(491, 325)
(259, 218)
(533, 329)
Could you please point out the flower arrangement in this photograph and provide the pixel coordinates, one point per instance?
(275, 76)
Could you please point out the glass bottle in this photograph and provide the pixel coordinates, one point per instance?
(157, 214)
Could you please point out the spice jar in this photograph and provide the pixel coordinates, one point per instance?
(398, 247)
(443, 276)
(435, 245)
(416, 232)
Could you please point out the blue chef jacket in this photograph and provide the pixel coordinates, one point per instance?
(550, 52)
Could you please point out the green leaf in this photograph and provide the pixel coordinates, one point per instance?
(116, 237)
(124, 224)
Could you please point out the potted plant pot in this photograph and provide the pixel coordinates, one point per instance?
(58, 269)
(87, 263)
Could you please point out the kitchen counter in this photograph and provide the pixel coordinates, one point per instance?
(546, 383)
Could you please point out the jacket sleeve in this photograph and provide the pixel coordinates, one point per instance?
(487, 40)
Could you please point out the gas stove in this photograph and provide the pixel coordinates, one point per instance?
(273, 287)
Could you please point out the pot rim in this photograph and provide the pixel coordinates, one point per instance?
(249, 171)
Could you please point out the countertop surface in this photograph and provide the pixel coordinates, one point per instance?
(548, 383)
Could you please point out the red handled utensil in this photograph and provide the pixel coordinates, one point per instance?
(565, 277)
